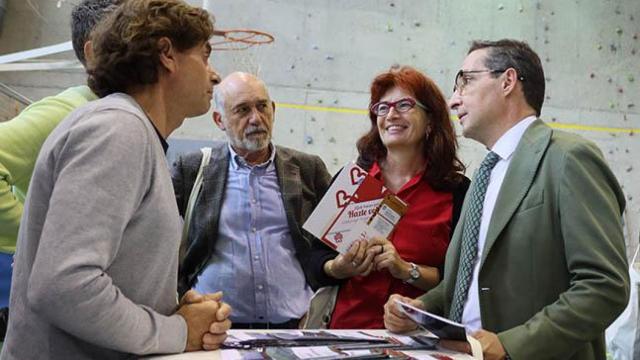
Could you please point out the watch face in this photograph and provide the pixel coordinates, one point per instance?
(414, 273)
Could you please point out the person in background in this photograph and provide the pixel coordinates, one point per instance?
(411, 148)
(537, 268)
(246, 232)
(21, 139)
(96, 265)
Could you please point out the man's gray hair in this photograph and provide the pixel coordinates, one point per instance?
(219, 92)
(84, 18)
(218, 100)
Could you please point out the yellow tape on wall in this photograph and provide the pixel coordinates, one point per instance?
(455, 118)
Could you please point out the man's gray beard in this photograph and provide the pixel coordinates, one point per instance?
(251, 144)
(255, 144)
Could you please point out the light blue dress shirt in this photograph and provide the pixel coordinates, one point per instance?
(254, 260)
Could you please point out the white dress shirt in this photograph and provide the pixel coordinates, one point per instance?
(504, 147)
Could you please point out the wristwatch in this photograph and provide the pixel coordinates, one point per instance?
(414, 274)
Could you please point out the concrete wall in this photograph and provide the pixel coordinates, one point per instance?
(327, 51)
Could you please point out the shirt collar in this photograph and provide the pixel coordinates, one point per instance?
(163, 142)
(237, 161)
(376, 172)
(508, 142)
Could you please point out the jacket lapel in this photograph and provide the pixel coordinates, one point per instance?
(517, 180)
(290, 186)
(214, 178)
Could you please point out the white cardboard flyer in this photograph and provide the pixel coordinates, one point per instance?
(341, 216)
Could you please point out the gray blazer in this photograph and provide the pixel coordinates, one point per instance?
(303, 181)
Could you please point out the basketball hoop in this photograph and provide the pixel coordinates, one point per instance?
(239, 39)
(246, 40)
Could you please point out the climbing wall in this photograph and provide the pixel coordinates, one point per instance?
(327, 51)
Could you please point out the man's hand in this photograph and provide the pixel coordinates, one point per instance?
(217, 333)
(394, 319)
(217, 330)
(194, 297)
(357, 261)
(491, 346)
(199, 317)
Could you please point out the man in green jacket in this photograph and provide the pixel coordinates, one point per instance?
(537, 267)
(22, 137)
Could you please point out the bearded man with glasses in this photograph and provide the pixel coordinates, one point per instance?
(537, 267)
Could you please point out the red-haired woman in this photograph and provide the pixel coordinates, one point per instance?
(411, 147)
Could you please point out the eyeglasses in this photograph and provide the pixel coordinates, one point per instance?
(462, 78)
(403, 105)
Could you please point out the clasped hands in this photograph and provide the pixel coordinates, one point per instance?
(364, 256)
(207, 319)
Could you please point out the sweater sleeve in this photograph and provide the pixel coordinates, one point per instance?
(101, 171)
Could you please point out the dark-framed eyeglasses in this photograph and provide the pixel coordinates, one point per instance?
(403, 105)
(463, 78)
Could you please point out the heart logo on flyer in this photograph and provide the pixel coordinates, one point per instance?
(357, 175)
(342, 198)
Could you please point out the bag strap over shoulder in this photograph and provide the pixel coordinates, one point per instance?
(195, 190)
(321, 308)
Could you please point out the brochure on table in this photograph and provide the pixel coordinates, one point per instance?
(357, 206)
(441, 327)
(342, 344)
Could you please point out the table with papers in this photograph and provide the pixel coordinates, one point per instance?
(323, 344)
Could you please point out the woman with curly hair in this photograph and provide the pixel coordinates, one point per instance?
(411, 148)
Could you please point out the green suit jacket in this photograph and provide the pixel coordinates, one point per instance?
(553, 273)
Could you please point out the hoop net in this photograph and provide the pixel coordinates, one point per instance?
(239, 39)
(243, 47)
